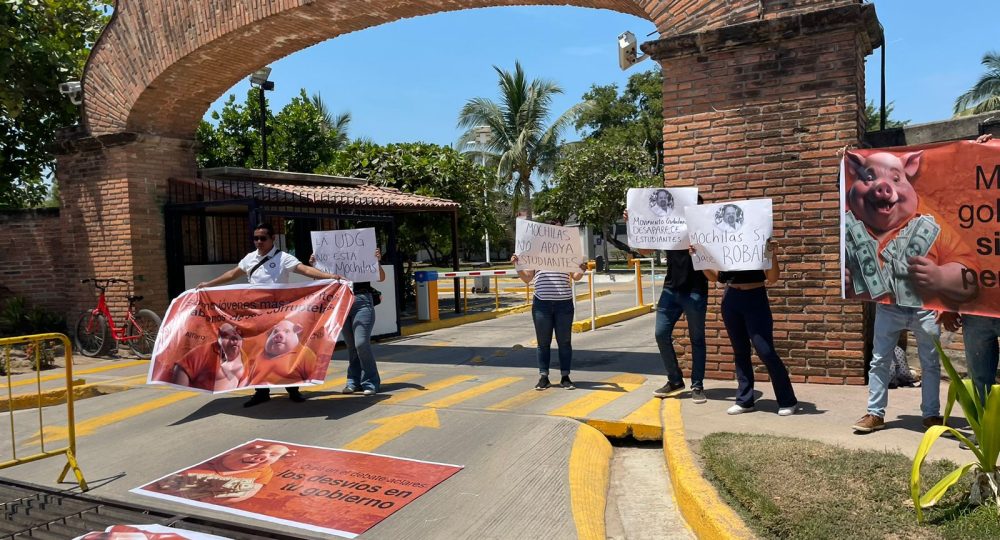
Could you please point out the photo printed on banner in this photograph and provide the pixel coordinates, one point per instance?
(656, 217)
(731, 235)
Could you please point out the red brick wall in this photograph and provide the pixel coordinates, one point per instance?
(764, 119)
(31, 241)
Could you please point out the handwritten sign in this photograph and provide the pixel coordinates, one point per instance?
(350, 253)
(731, 235)
(540, 246)
(656, 217)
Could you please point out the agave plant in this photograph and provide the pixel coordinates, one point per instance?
(984, 418)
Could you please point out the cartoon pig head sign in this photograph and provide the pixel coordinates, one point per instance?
(881, 195)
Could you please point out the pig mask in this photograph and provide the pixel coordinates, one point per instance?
(881, 195)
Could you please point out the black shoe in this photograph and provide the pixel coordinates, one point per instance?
(543, 383)
(667, 389)
(262, 395)
(566, 383)
(295, 395)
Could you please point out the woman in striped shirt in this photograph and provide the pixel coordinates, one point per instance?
(552, 310)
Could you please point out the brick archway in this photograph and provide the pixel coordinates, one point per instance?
(758, 96)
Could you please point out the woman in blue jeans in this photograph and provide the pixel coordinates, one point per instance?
(746, 313)
(362, 373)
(552, 311)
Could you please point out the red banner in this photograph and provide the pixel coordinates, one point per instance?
(331, 491)
(921, 226)
(243, 336)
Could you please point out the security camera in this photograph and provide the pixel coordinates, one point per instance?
(628, 51)
(73, 90)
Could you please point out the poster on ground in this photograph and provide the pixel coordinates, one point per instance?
(731, 235)
(147, 532)
(920, 226)
(326, 490)
(656, 217)
(221, 339)
(349, 253)
(540, 246)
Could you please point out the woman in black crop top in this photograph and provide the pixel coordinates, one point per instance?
(747, 316)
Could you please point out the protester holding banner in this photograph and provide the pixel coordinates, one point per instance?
(552, 304)
(746, 314)
(268, 264)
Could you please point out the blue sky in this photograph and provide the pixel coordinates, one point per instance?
(406, 81)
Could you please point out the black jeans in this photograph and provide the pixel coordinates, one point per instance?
(747, 316)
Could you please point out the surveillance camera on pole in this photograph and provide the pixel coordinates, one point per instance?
(628, 51)
(73, 90)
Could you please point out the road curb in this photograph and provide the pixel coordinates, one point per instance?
(589, 478)
(57, 396)
(612, 318)
(707, 515)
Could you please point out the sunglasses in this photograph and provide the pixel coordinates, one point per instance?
(261, 238)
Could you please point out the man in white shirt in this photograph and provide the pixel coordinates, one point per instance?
(268, 265)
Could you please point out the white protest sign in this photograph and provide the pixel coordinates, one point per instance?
(656, 217)
(731, 235)
(540, 246)
(349, 252)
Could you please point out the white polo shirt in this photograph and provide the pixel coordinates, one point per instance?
(275, 270)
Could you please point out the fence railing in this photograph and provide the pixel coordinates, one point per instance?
(34, 347)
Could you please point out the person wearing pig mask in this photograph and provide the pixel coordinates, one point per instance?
(923, 268)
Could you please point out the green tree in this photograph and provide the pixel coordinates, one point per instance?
(235, 139)
(873, 117)
(592, 178)
(519, 136)
(984, 96)
(305, 137)
(44, 43)
(334, 126)
(634, 117)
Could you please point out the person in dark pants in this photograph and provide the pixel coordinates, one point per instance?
(746, 314)
(362, 372)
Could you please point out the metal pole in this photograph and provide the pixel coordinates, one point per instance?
(263, 127)
(454, 258)
(496, 290)
(593, 301)
(652, 280)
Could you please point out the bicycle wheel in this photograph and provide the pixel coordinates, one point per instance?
(145, 328)
(93, 337)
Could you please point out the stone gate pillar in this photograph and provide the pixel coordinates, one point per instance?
(113, 188)
(759, 110)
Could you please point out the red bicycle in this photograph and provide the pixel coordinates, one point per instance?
(96, 331)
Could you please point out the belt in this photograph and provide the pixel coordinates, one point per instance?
(746, 286)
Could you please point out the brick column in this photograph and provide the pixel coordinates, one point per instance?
(759, 110)
(113, 189)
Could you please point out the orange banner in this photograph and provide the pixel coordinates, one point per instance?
(331, 491)
(244, 336)
(921, 226)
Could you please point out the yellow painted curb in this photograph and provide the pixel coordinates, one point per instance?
(707, 515)
(451, 322)
(612, 318)
(589, 475)
(55, 396)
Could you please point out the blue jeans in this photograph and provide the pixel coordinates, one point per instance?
(549, 316)
(361, 369)
(981, 353)
(669, 309)
(890, 320)
(748, 320)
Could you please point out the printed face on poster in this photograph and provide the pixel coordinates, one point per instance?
(540, 246)
(338, 492)
(730, 236)
(920, 226)
(349, 253)
(147, 532)
(656, 218)
(221, 339)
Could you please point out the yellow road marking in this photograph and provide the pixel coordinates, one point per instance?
(473, 392)
(99, 369)
(643, 423)
(397, 379)
(589, 471)
(593, 400)
(517, 401)
(87, 427)
(392, 427)
(432, 387)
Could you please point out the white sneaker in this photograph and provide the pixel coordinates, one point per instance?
(739, 409)
(787, 411)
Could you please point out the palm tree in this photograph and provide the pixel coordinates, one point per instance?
(520, 141)
(336, 125)
(984, 96)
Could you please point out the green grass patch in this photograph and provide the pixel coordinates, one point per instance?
(791, 488)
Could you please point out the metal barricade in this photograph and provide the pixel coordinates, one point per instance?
(35, 344)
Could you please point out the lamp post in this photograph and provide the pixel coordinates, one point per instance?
(259, 79)
(483, 135)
